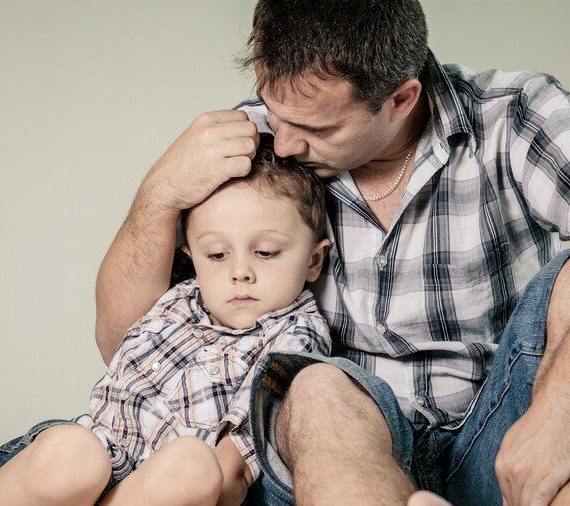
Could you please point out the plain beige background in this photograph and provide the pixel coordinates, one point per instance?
(91, 94)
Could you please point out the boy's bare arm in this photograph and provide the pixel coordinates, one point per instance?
(237, 476)
(136, 270)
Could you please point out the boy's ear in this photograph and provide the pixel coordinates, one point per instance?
(317, 259)
(186, 249)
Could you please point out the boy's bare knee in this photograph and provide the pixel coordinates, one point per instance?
(191, 469)
(70, 460)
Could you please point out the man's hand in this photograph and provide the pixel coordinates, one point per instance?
(136, 270)
(217, 146)
(533, 463)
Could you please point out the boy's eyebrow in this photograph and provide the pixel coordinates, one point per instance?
(302, 126)
(267, 231)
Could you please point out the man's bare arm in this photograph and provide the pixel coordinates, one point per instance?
(136, 270)
(533, 465)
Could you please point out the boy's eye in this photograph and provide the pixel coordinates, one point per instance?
(216, 256)
(267, 254)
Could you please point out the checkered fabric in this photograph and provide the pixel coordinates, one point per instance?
(423, 304)
(176, 374)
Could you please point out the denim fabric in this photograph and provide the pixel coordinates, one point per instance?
(458, 464)
(275, 373)
(506, 395)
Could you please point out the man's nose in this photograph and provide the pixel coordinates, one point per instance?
(288, 143)
(242, 272)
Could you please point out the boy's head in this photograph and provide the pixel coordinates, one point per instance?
(257, 239)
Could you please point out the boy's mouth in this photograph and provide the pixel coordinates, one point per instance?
(242, 300)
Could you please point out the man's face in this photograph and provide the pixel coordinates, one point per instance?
(252, 254)
(320, 124)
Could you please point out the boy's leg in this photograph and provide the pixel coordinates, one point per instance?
(65, 464)
(236, 473)
(505, 396)
(185, 472)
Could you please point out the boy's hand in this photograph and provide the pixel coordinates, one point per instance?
(237, 476)
(217, 146)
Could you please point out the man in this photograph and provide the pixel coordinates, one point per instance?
(444, 190)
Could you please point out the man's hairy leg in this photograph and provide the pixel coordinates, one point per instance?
(336, 442)
(66, 464)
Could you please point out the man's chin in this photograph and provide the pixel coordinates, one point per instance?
(324, 171)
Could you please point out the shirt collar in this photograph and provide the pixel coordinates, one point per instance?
(448, 115)
(305, 302)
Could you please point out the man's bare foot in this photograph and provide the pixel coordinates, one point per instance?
(424, 498)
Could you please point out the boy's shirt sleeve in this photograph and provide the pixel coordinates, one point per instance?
(309, 333)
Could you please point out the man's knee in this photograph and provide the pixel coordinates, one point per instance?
(324, 386)
(322, 396)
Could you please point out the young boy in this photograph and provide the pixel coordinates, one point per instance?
(172, 409)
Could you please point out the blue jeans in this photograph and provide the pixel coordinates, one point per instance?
(460, 464)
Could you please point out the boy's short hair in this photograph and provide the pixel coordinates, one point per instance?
(276, 176)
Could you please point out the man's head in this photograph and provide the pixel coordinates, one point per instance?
(256, 240)
(339, 77)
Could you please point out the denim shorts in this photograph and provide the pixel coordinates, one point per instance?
(458, 464)
(10, 449)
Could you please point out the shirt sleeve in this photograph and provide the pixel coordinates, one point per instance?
(540, 152)
(308, 334)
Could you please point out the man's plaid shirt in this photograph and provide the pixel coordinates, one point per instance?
(424, 304)
(176, 374)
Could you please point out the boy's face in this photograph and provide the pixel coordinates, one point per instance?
(252, 254)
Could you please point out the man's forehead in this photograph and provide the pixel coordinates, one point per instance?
(316, 105)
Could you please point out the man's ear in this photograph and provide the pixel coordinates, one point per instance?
(405, 98)
(186, 249)
(317, 259)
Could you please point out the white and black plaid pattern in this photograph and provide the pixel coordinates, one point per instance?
(175, 374)
(424, 305)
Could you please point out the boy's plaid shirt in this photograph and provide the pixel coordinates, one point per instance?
(424, 305)
(176, 374)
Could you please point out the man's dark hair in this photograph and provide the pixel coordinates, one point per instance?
(374, 44)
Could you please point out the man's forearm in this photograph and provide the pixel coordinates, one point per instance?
(553, 375)
(135, 271)
(533, 463)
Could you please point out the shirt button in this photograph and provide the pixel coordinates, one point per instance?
(382, 261)
(419, 401)
(380, 328)
(198, 333)
(214, 370)
(124, 395)
(156, 366)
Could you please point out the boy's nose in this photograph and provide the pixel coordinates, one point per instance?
(242, 273)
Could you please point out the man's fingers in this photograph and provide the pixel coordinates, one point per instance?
(233, 129)
(225, 116)
(242, 146)
(237, 166)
